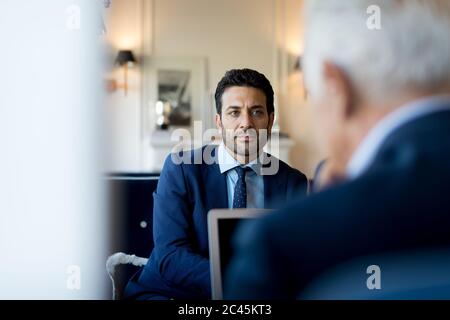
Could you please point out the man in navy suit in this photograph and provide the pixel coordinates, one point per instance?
(381, 94)
(236, 174)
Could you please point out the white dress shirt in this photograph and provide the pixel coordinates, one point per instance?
(254, 180)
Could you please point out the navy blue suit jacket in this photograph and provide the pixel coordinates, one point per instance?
(179, 265)
(401, 203)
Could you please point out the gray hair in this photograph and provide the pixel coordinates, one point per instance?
(410, 50)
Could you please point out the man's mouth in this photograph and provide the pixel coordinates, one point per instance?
(245, 138)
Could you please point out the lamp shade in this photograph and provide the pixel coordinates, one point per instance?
(125, 56)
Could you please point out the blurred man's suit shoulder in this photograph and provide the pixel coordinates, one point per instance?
(401, 202)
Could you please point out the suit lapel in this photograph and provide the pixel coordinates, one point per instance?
(273, 187)
(215, 185)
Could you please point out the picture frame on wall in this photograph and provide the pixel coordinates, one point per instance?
(176, 100)
(175, 93)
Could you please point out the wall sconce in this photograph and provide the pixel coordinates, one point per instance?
(298, 64)
(126, 59)
(295, 73)
(294, 63)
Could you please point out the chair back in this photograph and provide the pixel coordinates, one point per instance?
(132, 216)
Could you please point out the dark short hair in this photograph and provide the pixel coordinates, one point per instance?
(244, 78)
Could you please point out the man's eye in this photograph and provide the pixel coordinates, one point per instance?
(257, 113)
(234, 113)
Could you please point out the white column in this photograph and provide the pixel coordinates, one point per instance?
(53, 222)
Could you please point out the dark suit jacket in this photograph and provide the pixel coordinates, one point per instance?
(179, 264)
(401, 203)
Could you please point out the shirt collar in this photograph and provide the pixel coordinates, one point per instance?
(227, 162)
(365, 153)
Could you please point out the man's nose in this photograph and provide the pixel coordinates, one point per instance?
(246, 121)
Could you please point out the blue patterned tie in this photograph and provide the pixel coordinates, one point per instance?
(240, 190)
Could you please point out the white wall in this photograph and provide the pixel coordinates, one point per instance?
(123, 25)
(295, 113)
(231, 33)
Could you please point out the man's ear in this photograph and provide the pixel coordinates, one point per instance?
(219, 122)
(338, 89)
